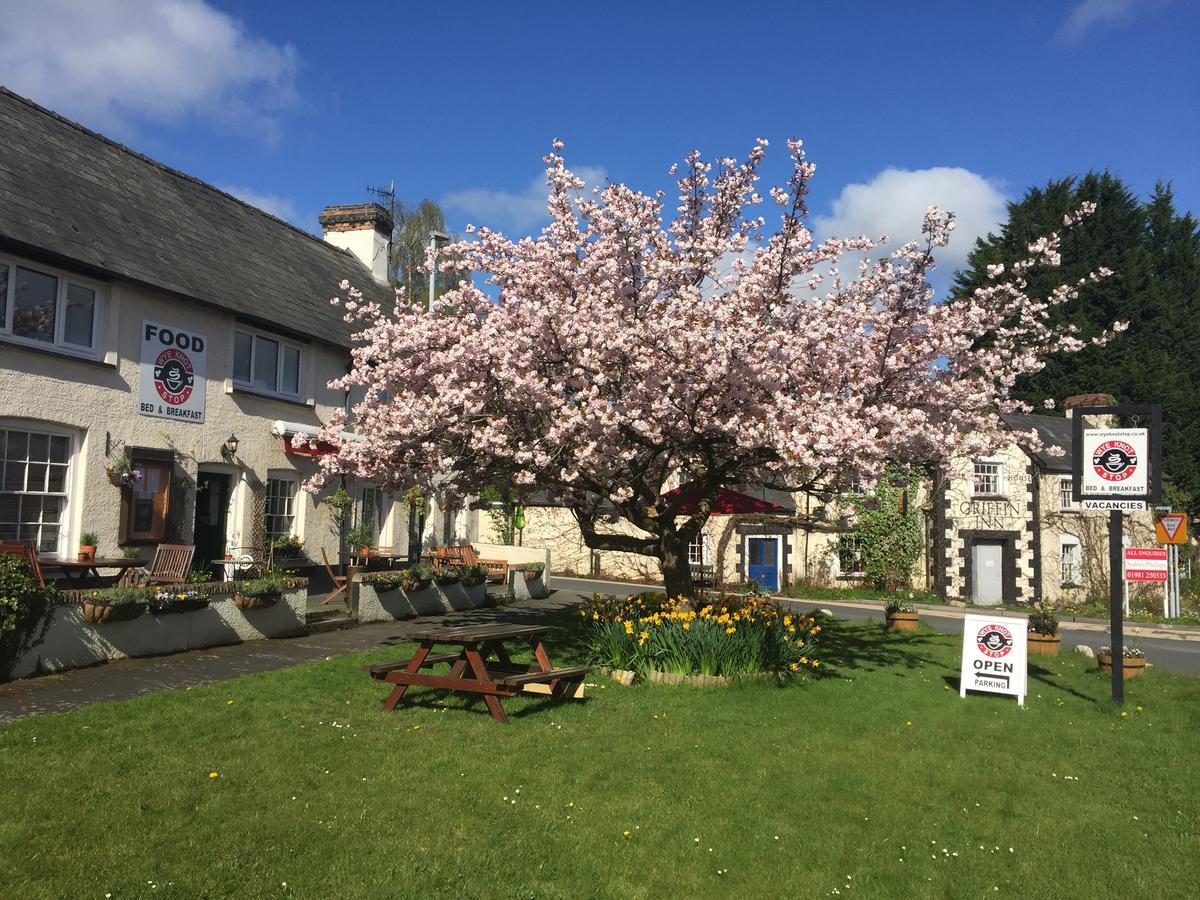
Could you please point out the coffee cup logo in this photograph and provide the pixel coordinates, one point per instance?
(994, 641)
(173, 377)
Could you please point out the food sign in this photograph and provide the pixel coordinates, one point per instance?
(172, 373)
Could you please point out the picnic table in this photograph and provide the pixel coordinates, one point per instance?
(471, 671)
(80, 569)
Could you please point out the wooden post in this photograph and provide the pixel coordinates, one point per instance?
(1116, 608)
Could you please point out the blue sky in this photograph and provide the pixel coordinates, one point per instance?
(296, 105)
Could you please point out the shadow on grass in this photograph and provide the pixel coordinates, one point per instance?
(1043, 676)
(867, 646)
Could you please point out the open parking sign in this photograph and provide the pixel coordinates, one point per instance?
(995, 656)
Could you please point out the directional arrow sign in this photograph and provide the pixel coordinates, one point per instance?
(1171, 528)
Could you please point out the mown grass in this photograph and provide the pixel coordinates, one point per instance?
(874, 779)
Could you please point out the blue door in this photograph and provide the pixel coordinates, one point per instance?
(762, 562)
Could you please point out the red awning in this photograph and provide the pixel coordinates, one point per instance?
(728, 502)
(312, 448)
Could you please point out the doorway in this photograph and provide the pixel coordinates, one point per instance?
(416, 528)
(212, 519)
(987, 567)
(762, 561)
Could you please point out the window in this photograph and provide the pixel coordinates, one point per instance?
(34, 475)
(988, 478)
(265, 364)
(850, 557)
(281, 506)
(370, 511)
(42, 306)
(698, 552)
(144, 506)
(1065, 498)
(1072, 561)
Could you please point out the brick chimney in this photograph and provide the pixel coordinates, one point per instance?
(365, 229)
(1078, 400)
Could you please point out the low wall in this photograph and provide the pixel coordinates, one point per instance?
(71, 641)
(373, 605)
(514, 556)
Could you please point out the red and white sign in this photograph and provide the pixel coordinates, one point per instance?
(1114, 462)
(1171, 528)
(994, 656)
(1146, 564)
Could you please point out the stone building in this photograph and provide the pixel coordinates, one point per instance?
(147, 319)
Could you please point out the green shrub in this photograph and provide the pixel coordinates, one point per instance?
(474, 575)
(89, 539)
(287, 547)
(130, 552)
(448, 575)
(727, 636)
(270, 583)
(901, 604)
(534, 569)
(357, 538)
(200, 575)
(1043, 621)
(24, 610)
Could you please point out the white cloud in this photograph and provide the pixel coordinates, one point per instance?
(112, 62)
(895, 200)
(280, 207)
(1088, 13)
(514, 211)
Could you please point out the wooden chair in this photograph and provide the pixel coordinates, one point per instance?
(172, 564)
(497, 569)
(341, 583)
(28, 552)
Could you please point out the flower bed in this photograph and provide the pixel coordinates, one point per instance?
(726, 636)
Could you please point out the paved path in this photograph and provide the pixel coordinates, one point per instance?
(1176, 651)
(127, 678)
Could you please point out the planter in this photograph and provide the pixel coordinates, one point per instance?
(177, 606)
(447, 582)
(902, 621)
(532, 576)
(255, 601)
(99, 613)
(474, 582)
(411, 587)
(1044, 644)
(1133, 666)
(87, 553)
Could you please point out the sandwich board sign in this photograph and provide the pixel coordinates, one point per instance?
(995, 656)
(1171, 528)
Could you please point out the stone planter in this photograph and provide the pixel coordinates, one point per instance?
(902, 621)
(447, 582)
(1044, 644)
(531, 576)
(255, 601)
(412, 587)
(99, 613)
(1133, 666)
(176, 606)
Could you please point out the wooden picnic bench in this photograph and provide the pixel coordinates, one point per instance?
(471, 671)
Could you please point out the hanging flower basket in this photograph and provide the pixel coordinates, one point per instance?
(255, 601)
(169, 602)
(122, 474)
(99, 613)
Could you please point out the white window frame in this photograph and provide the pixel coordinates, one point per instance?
(64, 278)
(66, 531)
(855, 538)
(700, 542)
(379, 529)
(1001, 477)
(1065, 485)
(256, 335)
(1064, 579)
(293, 480)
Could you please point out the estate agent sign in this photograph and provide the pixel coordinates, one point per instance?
(172, 373)
(1146, 564)
(994, 656)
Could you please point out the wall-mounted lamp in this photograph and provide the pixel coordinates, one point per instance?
(230, 447)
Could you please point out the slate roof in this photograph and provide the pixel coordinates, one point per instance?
(1055, 431)
(77, 195)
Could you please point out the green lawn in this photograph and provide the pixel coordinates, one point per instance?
(873, 780)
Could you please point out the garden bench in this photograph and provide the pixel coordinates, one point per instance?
(471, 672)
(703, 575)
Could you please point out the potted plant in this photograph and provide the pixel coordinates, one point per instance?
(534, 570)
(87, 545)
(130, 552)
(123, 473)
(1134, 661)
(901, 615)
(475, 575)
(358, 540)
(115, 604)
(416, 578)
(287, 547)
(166, 600)
(260, 593)
(1044, 638)
(448, 576)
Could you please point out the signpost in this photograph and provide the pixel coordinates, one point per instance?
(1116, 464)
(995, 656)
(1171, 528)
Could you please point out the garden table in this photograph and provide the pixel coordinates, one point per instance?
(470, 669)
(78, 570)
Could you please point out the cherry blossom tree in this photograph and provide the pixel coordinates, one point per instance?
(625, 354)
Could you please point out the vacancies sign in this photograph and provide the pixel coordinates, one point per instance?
(994, 656)
(172, 373)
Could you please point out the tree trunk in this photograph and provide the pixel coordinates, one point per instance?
(677, 572)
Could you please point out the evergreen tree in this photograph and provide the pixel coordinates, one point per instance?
(1155, 254)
